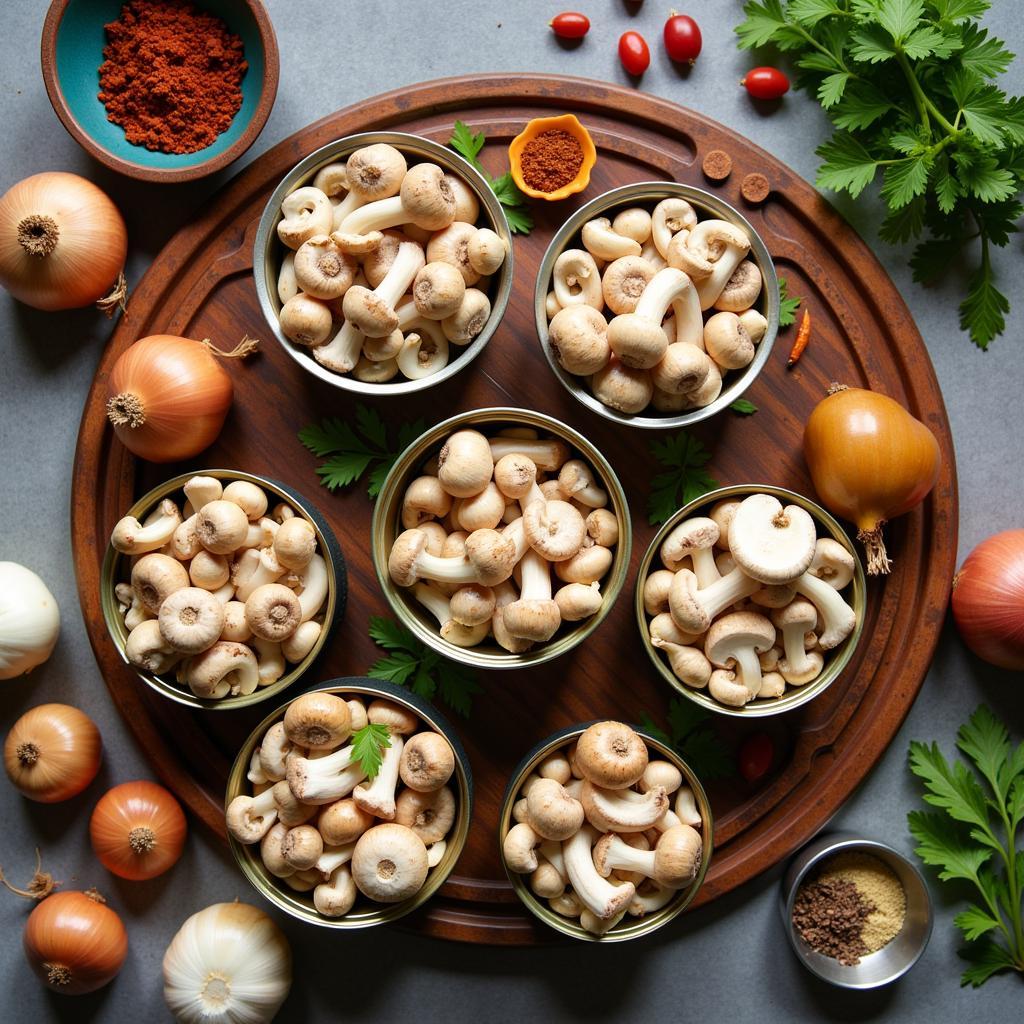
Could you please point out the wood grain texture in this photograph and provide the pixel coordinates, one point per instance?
(201, 286)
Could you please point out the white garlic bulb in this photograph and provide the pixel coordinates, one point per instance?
(29, 620)
(227, 963)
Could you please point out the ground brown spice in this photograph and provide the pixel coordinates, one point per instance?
(829, 917)
(171, 75)
(551, 160)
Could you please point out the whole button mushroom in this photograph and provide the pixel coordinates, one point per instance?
(317, 721)
(191, 620)
(738, 638)
(221, 526)
(796, 620)
(155, 577)
(611, 755)
(742, 289)
(427, 763)
(551, 812)
(672, 863)
(578, 336)
(554, 529)
(465, 464)
(429, 815)
(389, 863)
(771, 543)
(375, 172)
(272, 612)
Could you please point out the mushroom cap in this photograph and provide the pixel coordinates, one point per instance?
(551, 812)
(734, 631)
(742, 288)
(696, 533)
(295, 543)
(428, 198)
(770, 543)
(555, 529)
(221, 526)
(376, 171)
(368, 312)
(408, 546)
(427, 763)
(472, 604)
(677, 856)
(611, 755)
(318, 721)
(639, 342)
(682, 369)
(492, 554)
(578, 337)
(429, 815)
(832, 563)
(389, 863)
(532, 619)
(624, 281)
(515, 475)
(343, 822)
(727, 341)
(398, 719)
(799, 615)
(273, 612)
(578, 601)
(438, 290)
(519, 848)
(465, 464)
(191, 620)
(155, 577)
(622, 387)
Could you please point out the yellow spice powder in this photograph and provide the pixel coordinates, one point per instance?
(878, 886)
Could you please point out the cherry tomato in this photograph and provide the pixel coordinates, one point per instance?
(755, 756)
(633, 53)
(766, 83)
(682, 38)
(570, 25)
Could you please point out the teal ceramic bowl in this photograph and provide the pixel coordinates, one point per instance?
(72, 51)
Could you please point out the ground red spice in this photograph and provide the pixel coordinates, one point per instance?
(551, 160)
(171, 75)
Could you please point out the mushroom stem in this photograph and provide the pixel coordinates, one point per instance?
(597, 894)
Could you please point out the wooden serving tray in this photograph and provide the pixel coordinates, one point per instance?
(201, 286)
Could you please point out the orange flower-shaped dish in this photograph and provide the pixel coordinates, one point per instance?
(539, 125)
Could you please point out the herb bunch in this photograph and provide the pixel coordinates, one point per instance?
(975, 840)
(468, 143)
(690, 734)
(684, 477)
(351, 451)
(409, 662)
(908, 86)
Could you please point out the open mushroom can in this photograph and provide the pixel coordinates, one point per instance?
(115, 570)
(763, 309)
(638, 921)
(830, 662)
(269, 253)
(364, 913)
(420, 459)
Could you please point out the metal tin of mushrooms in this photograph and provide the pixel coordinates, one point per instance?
(334, 606)
(300, 905)
(267, 253)
(895, 958)
(836, 659)
(707, 205)
(628, 927)
(387, 525)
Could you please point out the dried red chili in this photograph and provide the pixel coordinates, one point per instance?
(551, 160)
(171, 75)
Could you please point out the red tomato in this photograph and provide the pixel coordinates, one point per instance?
(766, 83)
(633, 53)
(682, 38)
(570, 25)
(755, 756)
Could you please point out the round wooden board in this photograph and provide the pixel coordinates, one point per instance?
(201, 286)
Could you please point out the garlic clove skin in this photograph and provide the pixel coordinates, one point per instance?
(29, 620)
(230, 963)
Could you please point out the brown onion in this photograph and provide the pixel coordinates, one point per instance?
(75, 942)
(62, 243)
(988, 600)
(167, 397)
(870, 461)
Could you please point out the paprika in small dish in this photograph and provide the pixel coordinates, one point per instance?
(552, 157)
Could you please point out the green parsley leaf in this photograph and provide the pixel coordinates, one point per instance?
(830, 92)
(900, 17)
(691, 734)
(847, 165)
(905, 179)
(861, 106)
(411, 663)
(764, 20)
(787, 306)
(974, 840)
(517, 205)
(685, 479)
(982, 56)
(810, 12)
(743, 407)
(983, 312)
(367, 746)
(871, 45)
(959, 10)
(350, 452)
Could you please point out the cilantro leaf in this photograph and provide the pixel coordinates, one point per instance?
(367, 746)
(411, 663)
(685, 478)
(517, 205)
(691, 734)
(349, 451)
(743, 407)
(787, 306)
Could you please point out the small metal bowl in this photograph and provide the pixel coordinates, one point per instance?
(893, 960)
(366, 914)
(334, 607)
(649, 194)
(836, 659)
(268, 252)
(387, 525)
(628, 927)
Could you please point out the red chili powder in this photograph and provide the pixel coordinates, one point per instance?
(171, 75)
(551, 160)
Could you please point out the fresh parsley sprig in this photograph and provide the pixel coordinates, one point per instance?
(467, 143)
(691, 735)
(787, 306)
(975, 840)
(409, 662)
(743, 407)
(368, 746)
(351, 451)
(684, 479)
(908, 86)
